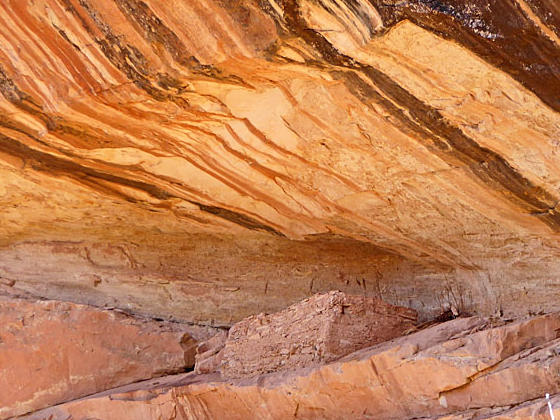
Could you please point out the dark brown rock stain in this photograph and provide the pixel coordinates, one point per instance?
(427, 123)
(498, 31)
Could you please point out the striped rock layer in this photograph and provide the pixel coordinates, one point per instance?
(206, 160)
(464, 369)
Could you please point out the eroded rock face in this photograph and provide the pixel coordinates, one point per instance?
(209, 160)
(209, 354)
(532, 410)
(317, 330)
(462, 369)
(51, 352)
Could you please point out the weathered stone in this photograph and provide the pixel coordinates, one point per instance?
(465, 368)
(209, 160)
(319, 329)
(536, 409)
(51, 352)
(203, 161)
(209, 353)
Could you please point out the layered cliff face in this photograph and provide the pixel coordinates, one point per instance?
(52, 352)
(464, 369)
(201, 161)
(207, 160)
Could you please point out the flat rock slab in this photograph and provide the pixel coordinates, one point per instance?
(316, 330)
(467, 368)
(52, 351)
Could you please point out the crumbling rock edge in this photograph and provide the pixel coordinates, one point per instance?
(54, 351)
(317, 330)
(466, 368)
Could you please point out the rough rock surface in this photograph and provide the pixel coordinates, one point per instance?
(51, 352)
(213, 159)
(208, 357)
(203, 161)
(319, 329)
(462, 369)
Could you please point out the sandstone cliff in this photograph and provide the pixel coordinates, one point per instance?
(463, 369)
(52, 352)
(192, 163)
(408, 150)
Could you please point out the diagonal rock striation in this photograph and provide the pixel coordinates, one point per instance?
(203, 161)
(52, 352)
(317, 330)
(419, 136)
(464, 368)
